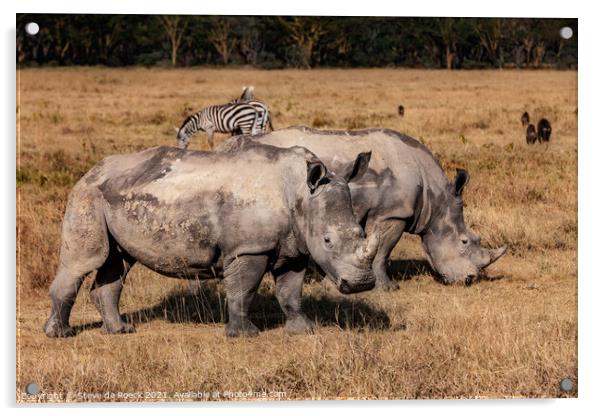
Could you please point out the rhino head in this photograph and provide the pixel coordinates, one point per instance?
(453, 250)
(331, 233)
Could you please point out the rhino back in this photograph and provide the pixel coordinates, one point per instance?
(172, 208)
(400, 167)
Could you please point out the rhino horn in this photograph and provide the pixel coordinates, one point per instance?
(367, 251)
(496, 254)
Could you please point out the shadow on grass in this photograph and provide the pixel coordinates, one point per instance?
(408, 269)
(400, 269)
(207, 305)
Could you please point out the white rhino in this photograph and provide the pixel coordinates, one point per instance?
(404, 190)
(191, 214)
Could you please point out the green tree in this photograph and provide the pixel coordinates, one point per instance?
(491, 33)
(222, 37)
(175, 27)
(305, 32)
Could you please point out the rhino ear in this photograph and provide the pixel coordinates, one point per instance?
(315, 172)
(462, 178)
(355, 170)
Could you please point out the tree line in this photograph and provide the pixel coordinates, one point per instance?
(296, 42)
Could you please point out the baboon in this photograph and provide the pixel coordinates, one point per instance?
(525, 119)
(400, 110)
(531, 134)
(544, 130)
(530, 128)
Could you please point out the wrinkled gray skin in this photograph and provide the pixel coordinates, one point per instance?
(405, 189)
(201, 215)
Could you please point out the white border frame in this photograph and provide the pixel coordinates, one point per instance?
(589, 150)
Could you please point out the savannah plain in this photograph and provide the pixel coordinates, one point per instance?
(511, 334)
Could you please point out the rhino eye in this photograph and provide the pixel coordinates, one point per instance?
(465, 241)
(328, 242)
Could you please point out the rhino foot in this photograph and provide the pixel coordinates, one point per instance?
(55, 329)
(299, 324)
(119, 329)
(386, 284)
(241, 328)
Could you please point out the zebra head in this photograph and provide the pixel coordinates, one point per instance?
(183, 138)
(186, 130)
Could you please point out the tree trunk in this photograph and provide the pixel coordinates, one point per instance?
(539, 53)
(174, 30)
(174, 54)
(306, 33)
(221, 39)
(449, 57)
(528, 43)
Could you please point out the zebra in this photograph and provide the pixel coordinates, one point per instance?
(248, 97)
(248, 94)
(235, 118)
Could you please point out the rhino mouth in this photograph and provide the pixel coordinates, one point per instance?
(349, 286)
(345, 288)
(348, 283)
(366, 281)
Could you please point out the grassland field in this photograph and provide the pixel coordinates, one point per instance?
(513, 334)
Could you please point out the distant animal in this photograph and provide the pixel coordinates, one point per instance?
(248, 94)
(248, 97)
(525, 119)
(404, 190)
(235, 118)
(531, 134)
(544, 130)
(400, 110)
(201, 215)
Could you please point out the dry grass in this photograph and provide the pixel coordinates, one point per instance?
(512, 335)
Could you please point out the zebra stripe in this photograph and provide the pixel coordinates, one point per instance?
(248, 97)
(232, 118)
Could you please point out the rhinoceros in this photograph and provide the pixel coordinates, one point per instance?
(191, 214)
(404, 190)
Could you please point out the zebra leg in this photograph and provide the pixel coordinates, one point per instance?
(263, 123)
(255, 129)
(210, 138)
(246, 130)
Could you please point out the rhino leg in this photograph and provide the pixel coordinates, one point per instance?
(390, 232)
(241, 280)
(84, 248)
(107, 287)
(289, 286)
(63, 292)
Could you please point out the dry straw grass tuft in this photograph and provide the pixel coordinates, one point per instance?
(511, 335)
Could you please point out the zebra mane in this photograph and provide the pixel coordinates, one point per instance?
(186, 120)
